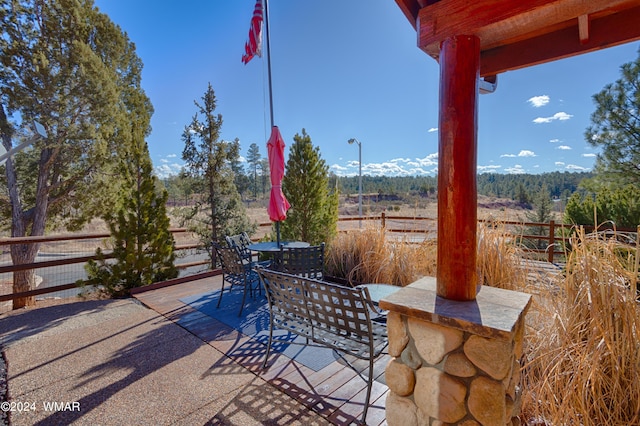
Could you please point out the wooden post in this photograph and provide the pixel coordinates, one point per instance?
(552, 241)
(457, 277)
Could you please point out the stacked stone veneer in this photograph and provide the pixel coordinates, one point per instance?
(454, 362)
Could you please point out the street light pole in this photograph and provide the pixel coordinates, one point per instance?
(351, 141)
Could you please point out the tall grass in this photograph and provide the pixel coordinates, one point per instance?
(368, 256)
(501, 263)
(583, 357)
(582, 346)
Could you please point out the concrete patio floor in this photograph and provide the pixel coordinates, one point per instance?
(123, 362)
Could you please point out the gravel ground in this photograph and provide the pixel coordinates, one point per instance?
(4, 419)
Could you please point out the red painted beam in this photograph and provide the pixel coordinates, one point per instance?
(457, 277)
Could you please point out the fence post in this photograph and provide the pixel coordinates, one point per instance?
(552, 243)
(383, 220)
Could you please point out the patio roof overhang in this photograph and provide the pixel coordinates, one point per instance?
(482, 38)
(516, 34)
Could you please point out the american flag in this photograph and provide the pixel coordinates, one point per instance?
(253, 47)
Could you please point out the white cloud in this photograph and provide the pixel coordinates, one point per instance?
(395, 167)
(400, 160)
(428, 161)
(488, 169)
(515, 170)
(433, 129)
(538, 101)
(165, 170)
(172, 156)
(576, 168)
(589, 155)
(562, 116)
(522, 153)
(564, 147)
(559, 163)
(554, 140)
(387, 168)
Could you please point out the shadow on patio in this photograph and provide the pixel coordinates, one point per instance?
(172, 364)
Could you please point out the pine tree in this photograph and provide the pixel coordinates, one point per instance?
(615, 129)
(219, 211)
(143, 246)
(313, 216)
(541, 214)
(253, 158)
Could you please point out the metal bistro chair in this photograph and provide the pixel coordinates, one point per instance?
(303, 261)
(236, 271)
(241, 242)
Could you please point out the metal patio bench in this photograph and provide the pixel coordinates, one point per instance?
(326, 314)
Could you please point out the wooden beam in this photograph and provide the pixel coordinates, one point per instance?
(410, 9)
(457, 276)
(503, 22)
(583, 28)
(604, 32)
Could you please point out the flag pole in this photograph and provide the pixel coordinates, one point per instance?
(268, 42)
(266, 30)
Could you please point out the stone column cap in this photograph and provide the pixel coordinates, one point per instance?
(494, 314)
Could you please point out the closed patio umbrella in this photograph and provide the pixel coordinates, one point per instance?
(278, 204)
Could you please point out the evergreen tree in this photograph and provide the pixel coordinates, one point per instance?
(219, 211)
(265, 175)
(615, 129)
(242, 181)
(620, 206)
(253, 158)
(522, 197)
(313, 216)
(541, 214)
(143, 246)
(67, 66)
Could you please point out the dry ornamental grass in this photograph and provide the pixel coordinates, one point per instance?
(583, 360)
(582, 356)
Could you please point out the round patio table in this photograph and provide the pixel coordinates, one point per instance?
(272, 246)
(379, 291)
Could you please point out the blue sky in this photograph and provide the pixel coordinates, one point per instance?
(350, 69)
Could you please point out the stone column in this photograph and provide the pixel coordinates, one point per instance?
(454, 362)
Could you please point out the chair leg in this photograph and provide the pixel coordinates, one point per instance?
(221, 292)
(244, 296)
(266, 356)
(369, 385)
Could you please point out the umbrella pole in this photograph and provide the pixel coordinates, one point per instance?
(268, 43)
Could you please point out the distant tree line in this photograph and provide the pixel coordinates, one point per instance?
(521, 187)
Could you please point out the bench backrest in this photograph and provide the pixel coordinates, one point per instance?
(336, 315)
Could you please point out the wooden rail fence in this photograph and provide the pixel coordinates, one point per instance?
(549, 241)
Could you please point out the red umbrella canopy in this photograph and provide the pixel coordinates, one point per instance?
(278, 204)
